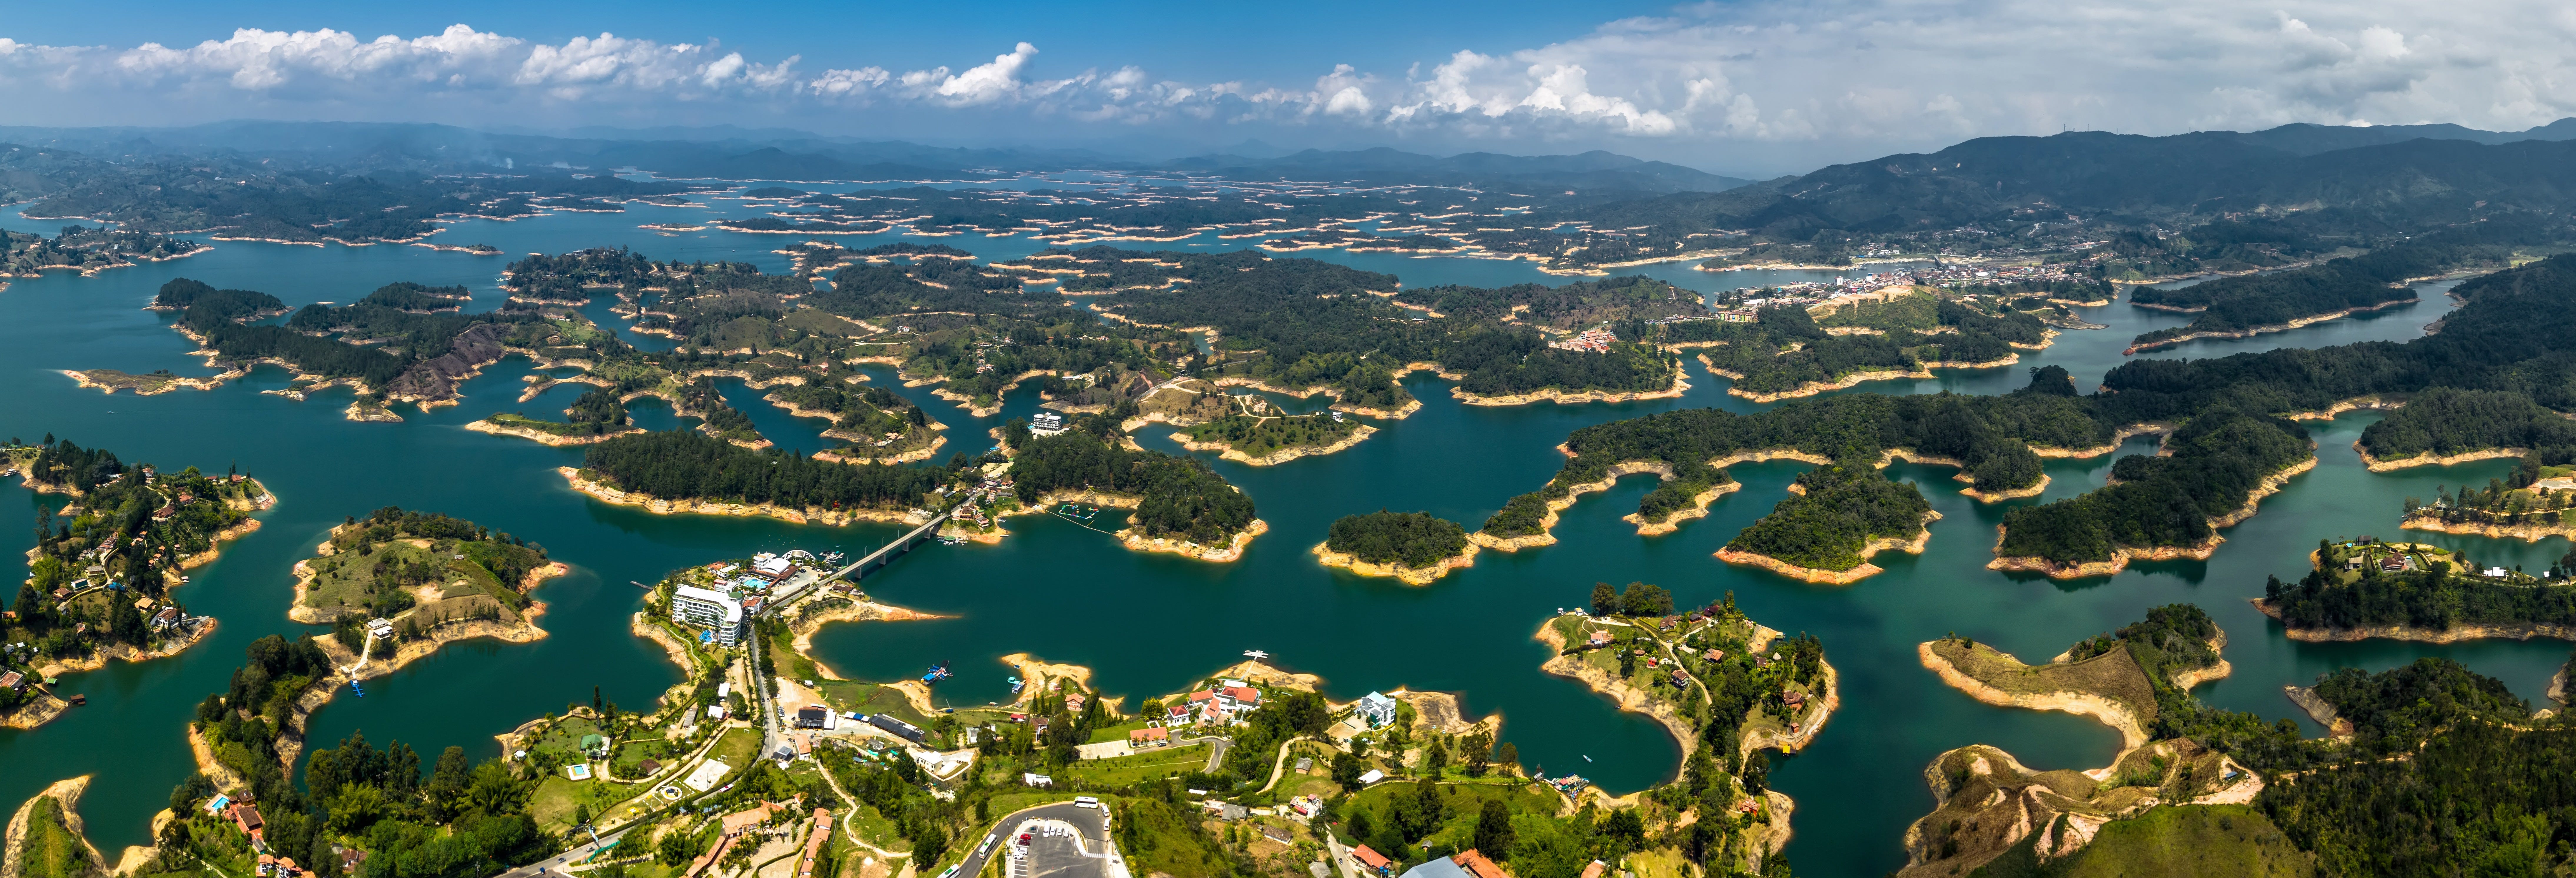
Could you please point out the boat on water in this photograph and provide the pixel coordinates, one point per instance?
(1017, 684)
(637, 584)
(1587, 759)
(937, 673)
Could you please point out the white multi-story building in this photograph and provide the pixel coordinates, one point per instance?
(710, 609)
(1377, 709)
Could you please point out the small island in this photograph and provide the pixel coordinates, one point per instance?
(1708, 675)
(877, 424)
(2365, 588)
(46, 839)
(596, 416)
(102, 581)
(1415, 547)
(1835, 518)
(1261, 435)
(434, 579)
(1793, 351)
(688, 471)
(1180, 504)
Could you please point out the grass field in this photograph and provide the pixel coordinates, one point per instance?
(2191, 840)
(737, 747)
(852, 696)
(50, 850)
(2114, 675)
(1124, 770)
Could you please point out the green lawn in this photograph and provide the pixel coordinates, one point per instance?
(2114, 675)
(562, 740)
(875, 829)
(852, 696)
(737, 748)
(1117, 732)
(2190, 840)
(1124, 770)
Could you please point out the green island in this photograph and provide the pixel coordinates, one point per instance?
(593, 417)
(879, 424)
(87, 250)
(433, 578)
(1178, 503)
(690, 471)
(1256, 433)
(1785, 351)
(1416, 547)
(2364, 588)
(2204, 791)
(1835, 518)
(102, 577)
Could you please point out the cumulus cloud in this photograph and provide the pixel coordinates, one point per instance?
(1789, 75)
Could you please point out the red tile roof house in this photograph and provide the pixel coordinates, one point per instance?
(1371, 861)
(1148, 738)
(1600, 638)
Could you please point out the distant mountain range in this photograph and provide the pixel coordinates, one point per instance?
(1980, 180)
(2425, 169)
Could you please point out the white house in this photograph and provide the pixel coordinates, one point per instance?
(1377, 709)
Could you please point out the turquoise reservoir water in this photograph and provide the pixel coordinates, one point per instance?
(1148, 623)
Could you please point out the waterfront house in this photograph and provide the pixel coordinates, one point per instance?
(1377, 709)
(13, 681)
(1601, 638)
(1142, 738)
(709, 609)
(1176, 714)
(246, 816)
(898, 728)
(1074, 703)
(1237, 700)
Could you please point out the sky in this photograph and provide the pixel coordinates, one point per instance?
(1753, 88)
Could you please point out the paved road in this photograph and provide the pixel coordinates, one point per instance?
(554, 865)
(1090, 821)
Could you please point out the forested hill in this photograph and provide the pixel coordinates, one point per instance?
(2371, 280)
(2516, 331)
(2054, 179)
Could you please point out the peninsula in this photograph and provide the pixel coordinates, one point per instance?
(2364, 588)
(103, 579)
(1707, 675)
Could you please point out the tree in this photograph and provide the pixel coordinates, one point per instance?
(1494, 828)
(1642, 599)
(1347, 770)
(1509, 756)
(1479, 747)
(1605, 600)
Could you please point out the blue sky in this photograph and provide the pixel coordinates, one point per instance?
(1747, 87)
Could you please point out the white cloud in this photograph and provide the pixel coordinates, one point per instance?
(1791, 75)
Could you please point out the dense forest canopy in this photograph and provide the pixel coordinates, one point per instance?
(1409, 539)
(687, 465)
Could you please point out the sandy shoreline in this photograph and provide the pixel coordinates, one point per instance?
(2122, 555)
(1818, 576)
(1409, 575)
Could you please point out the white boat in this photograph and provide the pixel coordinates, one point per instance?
(1255, 654)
